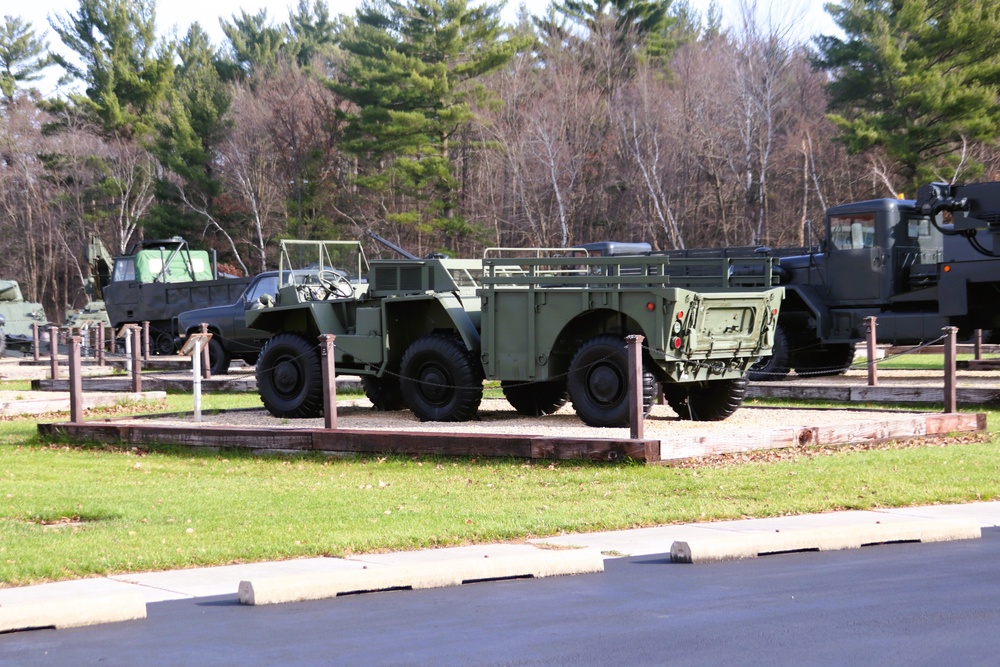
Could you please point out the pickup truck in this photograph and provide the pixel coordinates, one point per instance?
(231, 337)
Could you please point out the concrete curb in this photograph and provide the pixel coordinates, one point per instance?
(274, 590)
(750, 545)
(72, 611)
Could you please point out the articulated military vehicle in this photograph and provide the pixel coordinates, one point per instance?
(157, 280)
(16, 318)
(424, 334)
(232, 338)
(917, 265)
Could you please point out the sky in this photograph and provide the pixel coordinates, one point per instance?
(805, 18)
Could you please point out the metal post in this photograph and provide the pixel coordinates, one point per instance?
(870, 325)
(329, 381)
(145, 339)
(196, 373)
(979, 344)
(950, 398)
(136, 360)
(35, 341)
(100, 345)
(635, 406)
(75, 382)
(206, 361)
(54, 354)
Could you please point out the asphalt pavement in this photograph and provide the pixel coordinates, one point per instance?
(124, 597)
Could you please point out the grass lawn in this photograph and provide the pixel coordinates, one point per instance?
(69, 511)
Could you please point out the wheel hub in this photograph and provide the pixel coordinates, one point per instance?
(285, 376)
(605, 385)
(433, 384)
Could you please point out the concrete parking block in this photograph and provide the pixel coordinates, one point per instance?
(728, 546)
(69, 605)
(415, 575)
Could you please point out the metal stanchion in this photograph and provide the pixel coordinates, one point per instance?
(636, 418)
(54, 352)
(206, 359)
(870, 324)
(950, 396)
(136, 360)
(75, 382)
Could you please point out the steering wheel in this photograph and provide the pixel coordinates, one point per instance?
(335, 284)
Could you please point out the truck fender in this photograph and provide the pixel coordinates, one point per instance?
(798, 299)
(460, 318)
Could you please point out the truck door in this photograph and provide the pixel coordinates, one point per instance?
(856, 259)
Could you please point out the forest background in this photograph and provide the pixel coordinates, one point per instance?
(439, 126)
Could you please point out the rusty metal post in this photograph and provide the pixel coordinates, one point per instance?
(950, 398)
(145, 339)
(329, 381)
(54, 352)
(75, 382)
(136, 334)
(35, 341)
(978, 344)
(870, 325)
(206, 363)
(100, 344)
(635, 405)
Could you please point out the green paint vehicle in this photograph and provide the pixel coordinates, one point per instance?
(549, 324)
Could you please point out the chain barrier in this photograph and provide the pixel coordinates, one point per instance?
(858, 365)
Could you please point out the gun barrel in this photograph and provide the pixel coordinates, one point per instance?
(391, 246)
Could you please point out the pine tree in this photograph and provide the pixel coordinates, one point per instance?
(22, 55)
(411, 70)
(918, 78)
(126, 70)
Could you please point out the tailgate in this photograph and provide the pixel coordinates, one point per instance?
(728, 322)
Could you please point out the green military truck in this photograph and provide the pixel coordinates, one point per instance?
(424, 333)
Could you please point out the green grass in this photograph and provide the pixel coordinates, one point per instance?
(918, 362)
(69, 511)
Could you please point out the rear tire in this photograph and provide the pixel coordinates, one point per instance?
(774, 367)
(384, 392)
(598, 382)
(440, 379)
(290, 377)
(534, 399)
(710, 400)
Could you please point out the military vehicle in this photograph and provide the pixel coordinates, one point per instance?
(551, 327)
(917, 265)
(16, 318)
(231, 337)
(157, 280)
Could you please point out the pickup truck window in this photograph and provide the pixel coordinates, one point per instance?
(266, 285)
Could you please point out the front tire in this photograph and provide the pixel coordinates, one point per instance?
(598, 382)
(440, 379)
(776, 366)
(218, 358)
(290, 377)
(833, 359)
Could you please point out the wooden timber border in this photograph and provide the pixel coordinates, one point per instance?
(716, 439)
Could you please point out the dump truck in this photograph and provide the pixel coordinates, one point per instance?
(155, 281)
(551, 327)
(916, 265)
